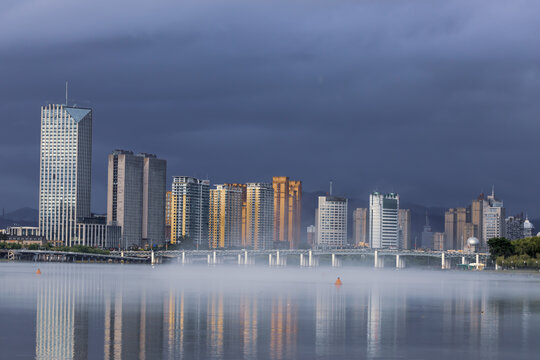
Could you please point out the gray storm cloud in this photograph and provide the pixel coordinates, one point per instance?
(434, 100)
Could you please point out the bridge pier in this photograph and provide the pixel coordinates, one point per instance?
(312, 259)
(277, 260)
(304, 260)
(445, 263)
(152, 257)
(336, 261)
(213, 259)
(244, 259)
(400, 262)
(378, 261)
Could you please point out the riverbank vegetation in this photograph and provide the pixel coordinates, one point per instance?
(516, 254)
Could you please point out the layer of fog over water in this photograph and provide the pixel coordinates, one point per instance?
(228, 312)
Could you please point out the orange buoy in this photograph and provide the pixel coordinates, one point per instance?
(38, 272)
(338, 282)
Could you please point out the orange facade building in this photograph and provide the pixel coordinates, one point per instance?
(287, 211)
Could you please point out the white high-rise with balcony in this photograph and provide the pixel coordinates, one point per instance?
(259, 216)
(65, 171)
(332, 221)
(383, 220)
(225, 225)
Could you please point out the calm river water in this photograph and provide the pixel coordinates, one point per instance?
(74, 311)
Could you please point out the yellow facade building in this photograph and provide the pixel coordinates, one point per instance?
(168, 215)
(225, 225)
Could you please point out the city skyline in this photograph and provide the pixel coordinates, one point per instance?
(78, 110)
(255, 215)
(279, 179)
(351, 94)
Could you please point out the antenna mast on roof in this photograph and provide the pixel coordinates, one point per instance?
(66, 93)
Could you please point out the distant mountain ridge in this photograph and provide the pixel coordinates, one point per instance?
(21, 217)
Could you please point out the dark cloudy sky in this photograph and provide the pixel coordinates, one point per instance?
(434, 99)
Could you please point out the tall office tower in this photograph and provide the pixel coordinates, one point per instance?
(287, 210)
(439, 241)
(136, 197)
(259, 216)
(383, 220)
(65, 171)
(190, 209)
(243, 189)
(168, 214)
(454, 228)
(332, 221)
(154, 189)
(404, 221)
(477, 215)
(493, 222)
(360, 223)
(225, 224)
(124, 196)
(427, 235)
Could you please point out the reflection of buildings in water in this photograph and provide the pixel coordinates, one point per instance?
(186, 324)
(374, 323)
(283, 328)
(357, 318)
(62, 317)
(291, 329)
(525, 319)
(469, 317)
(489, 321)
(248, 313)
(55, 323)
(330, 321)
(214, 325)
(174, 322)
(133, 327)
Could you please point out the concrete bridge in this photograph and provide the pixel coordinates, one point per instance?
(306, 258)
(61, 256)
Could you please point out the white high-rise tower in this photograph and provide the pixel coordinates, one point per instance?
(332, 221)
(383, 220)
(65, 170)
(259, 216)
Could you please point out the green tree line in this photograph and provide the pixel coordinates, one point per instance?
(77, 248)
(517, 254)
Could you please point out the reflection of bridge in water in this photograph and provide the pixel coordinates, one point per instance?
(305, 258)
